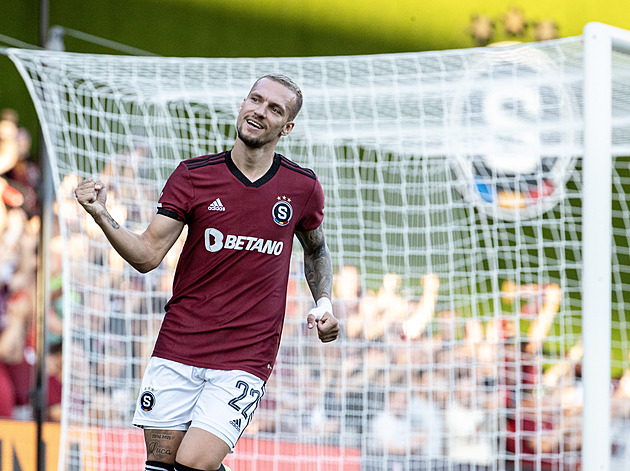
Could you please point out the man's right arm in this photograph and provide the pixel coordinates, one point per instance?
(143, 251)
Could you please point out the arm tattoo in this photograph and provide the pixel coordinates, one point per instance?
(317, 262)
(112, 222)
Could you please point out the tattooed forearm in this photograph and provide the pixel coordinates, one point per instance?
(317, 263)
(112, 222)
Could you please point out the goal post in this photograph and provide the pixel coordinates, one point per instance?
(600, 43)
(477, 212)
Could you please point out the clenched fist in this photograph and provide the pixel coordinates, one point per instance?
(322, 316)
(91, 195)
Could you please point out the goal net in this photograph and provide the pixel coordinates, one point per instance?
(454, 195)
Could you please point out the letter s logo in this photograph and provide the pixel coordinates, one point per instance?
(211, 234)
(147, 401)
(282, 212)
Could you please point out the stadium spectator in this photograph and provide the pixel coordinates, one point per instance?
(18, 241)
(424, 311)
(469, 428)
(54, 319)
(533, 439)
(14, 370)
(9, 144)
(620, 422)
(234, 276)
(388, 315)
(375, 353)
(376, 313)
(19, 176)
(407, 432)
(348, 292)
(54, 373)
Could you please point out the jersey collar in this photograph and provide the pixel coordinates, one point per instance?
(244, 180)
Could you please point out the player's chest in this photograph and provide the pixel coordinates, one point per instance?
(261, 212)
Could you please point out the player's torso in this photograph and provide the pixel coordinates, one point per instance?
(229, 291)
(231, 214)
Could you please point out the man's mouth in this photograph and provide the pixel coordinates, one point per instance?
(254, 124)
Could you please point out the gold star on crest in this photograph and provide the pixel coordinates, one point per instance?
(546, 30)
(515, 22)
(481, 29)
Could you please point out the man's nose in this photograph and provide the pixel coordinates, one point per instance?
(260, 109)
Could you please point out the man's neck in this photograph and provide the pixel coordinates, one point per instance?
(253, 163)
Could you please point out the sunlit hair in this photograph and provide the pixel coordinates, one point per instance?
(291, 85)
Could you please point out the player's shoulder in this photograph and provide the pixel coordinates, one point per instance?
(292, 166)
(204, 161)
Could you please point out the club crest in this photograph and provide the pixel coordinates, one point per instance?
(147, 401)
(282, 211)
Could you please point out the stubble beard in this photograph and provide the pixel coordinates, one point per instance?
(252, 142)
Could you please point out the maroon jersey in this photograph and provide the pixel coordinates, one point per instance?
(230, 285)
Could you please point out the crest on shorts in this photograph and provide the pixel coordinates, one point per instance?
(147, 401)
(282, 211)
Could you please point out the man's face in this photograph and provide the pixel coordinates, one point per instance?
(264, 115)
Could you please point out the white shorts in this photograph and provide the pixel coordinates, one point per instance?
(174, 396)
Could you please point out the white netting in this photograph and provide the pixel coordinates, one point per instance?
(453, 211)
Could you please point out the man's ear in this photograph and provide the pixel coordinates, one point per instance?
(287, 128)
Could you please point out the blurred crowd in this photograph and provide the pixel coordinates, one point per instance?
(415, 387)
(19, 240)
(419, 388)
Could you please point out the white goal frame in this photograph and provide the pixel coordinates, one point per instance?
(599, 42)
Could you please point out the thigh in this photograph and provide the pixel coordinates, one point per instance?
(168, 395)
(162, 445)
(227, 404)
(201, 449)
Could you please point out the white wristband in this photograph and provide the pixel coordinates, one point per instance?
(323, 306)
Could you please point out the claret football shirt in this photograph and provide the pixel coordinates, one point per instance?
(229, 289)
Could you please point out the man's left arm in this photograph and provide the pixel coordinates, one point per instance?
(319, 276)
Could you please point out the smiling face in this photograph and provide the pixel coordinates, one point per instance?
(266, 114)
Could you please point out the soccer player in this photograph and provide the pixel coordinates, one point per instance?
(221, 333)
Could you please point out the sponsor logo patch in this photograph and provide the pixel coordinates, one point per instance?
(215, 241)
(216, 205)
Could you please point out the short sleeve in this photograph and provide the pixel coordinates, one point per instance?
(313, 213)
(177, 194)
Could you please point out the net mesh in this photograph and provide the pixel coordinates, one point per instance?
(453, 213)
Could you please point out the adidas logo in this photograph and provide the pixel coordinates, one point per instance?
(236, 424)
(216, 205)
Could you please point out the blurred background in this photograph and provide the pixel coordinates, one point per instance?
(273, 28)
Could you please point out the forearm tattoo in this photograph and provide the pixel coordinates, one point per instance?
(317, 263)
(112, 222)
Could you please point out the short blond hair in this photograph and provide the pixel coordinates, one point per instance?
(291, 85)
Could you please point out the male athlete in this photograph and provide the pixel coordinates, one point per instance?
(220, 336)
